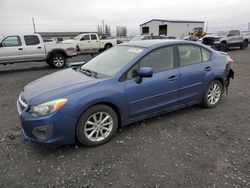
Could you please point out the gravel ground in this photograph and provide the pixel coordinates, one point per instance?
(192, 147)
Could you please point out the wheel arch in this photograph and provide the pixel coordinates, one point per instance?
(108, 44)
(224, 41)
(109, 104)
(56, 51)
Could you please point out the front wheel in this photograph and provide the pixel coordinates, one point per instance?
(97, 125)
(213, 94)
(223, 47)
(244, 45)
(58, 61)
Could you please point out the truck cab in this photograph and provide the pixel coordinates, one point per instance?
(91, 42)
(16, 48)
(31, 48)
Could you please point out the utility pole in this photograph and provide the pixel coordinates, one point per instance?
(34, 27)
(248, 26)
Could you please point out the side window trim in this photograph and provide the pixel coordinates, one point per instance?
(95, 37)
(83, 37)
(178, 52)
(27, 44)
(175, 65)
(210, 54)
(18, 38)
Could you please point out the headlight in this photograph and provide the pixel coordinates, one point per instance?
(48, 107)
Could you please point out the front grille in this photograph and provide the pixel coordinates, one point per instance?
(208, 41)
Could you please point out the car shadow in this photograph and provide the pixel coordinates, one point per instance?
(24, 69)
(120, 134)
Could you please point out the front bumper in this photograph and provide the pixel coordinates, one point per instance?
(55, 129)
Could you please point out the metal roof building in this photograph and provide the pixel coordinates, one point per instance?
(170, 27)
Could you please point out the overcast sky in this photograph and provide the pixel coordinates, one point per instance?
(84, 15)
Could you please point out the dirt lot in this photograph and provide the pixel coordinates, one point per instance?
(193, 147)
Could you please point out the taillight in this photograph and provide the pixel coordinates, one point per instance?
(230, 61)
(118, 41)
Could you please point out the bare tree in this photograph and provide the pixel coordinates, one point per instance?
(121, 31)
(104, 30)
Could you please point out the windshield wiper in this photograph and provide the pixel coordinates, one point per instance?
(88, 72)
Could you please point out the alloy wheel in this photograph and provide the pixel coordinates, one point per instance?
(214, 94)
(58, 61)
(98, 126)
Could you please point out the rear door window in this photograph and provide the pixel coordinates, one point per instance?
(93, 37)
(189, 54)
(31, 40)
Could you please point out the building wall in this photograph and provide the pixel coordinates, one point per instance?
(174, 29)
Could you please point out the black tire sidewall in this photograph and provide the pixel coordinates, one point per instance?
(53, 58)
(80, 135)
(107, 46)
(223, 47)
(205, 102)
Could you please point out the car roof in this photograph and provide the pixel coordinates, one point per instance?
(156, 43)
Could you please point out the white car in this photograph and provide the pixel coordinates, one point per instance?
(91, 42)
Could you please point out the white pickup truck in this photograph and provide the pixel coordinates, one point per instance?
(91, 42)
(30, 47)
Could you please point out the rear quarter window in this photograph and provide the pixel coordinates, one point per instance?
(206, 55)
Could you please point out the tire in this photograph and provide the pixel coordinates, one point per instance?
(223, 47)
(90, 129)
(58, 61)
(213, 94)
(244, 45)
(107, 46)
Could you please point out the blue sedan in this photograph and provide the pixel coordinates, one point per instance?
(127, 83)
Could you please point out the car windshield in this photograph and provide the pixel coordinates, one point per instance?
(112, 61)
(136, 38)
(220, 33)
(78, 37)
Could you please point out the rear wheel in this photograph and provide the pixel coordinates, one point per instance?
(213, 94)
(58, 61)
(97, 125)
(107, 46)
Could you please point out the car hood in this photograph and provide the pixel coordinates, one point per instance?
(213, 36)
(69, 41)
(56, 85)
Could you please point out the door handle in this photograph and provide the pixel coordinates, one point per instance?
(39, 47)
(20, 48)
(208, 69)
(172, 78)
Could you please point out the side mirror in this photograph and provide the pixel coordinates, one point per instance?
(144, 72)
